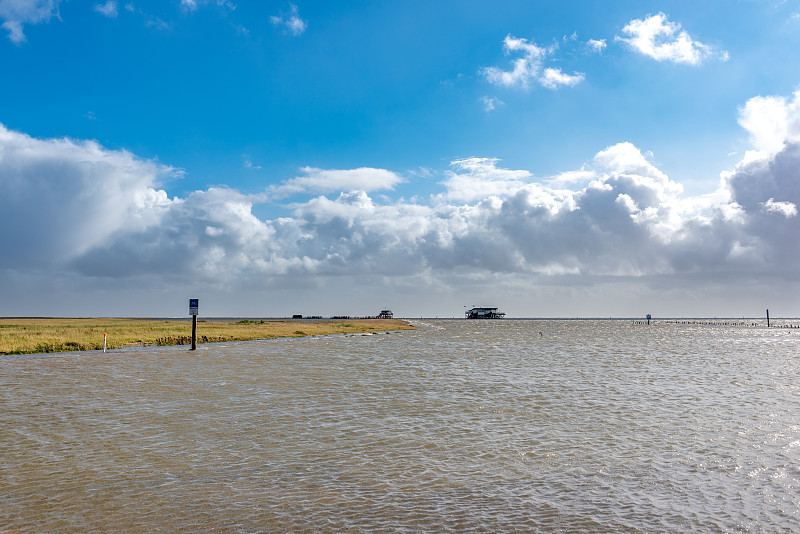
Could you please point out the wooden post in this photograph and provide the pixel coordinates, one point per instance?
(767, 318)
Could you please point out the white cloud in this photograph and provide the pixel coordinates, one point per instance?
(490, 103)
(529, 68)
(328, 181)
(596, 45)
(193, 5)
(157, 23)
(291, 22)
(771, 121)
(247, 163)
(16, 13)
(479, 178)
(787, 209)
(554, 78)
(109, 9)
(659, 38)
(569, 178)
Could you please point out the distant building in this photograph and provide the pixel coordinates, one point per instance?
(484, 313)
(386, 314)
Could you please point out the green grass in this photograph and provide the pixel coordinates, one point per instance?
(37, 335)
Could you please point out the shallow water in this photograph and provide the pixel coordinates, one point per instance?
(482, 426)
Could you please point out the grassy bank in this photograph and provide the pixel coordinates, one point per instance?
(34, 335)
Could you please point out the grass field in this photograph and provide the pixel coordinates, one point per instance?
(35, 335)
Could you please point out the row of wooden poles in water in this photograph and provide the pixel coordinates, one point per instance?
(731, 323)
(719, 322)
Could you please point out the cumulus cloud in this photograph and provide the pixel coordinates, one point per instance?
(63, 197)
(16, 13)
(529, 68)
(74, 207)
(663, 40)
(291, 22)
(766, 192)
(771, 121)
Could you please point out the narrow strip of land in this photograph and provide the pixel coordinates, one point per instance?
(36, 335)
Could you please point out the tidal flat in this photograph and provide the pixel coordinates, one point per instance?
(43, 335)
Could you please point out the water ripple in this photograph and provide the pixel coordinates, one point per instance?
(480, 426)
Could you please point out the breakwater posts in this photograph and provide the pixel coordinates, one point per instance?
(700, 322)
(714, 323)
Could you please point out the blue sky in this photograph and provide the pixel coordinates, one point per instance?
(552, 158)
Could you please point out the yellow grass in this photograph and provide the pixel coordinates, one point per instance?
(34, 335)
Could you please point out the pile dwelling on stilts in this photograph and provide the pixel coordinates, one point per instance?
(484, 313)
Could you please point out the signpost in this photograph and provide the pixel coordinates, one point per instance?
(193, 312)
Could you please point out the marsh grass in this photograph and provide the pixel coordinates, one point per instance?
(36, 335)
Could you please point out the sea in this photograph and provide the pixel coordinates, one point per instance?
(460, 426)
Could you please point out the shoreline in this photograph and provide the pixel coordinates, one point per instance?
(38, 335)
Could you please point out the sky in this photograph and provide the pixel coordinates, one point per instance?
(549, 158)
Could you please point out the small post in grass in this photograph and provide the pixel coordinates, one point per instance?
(193, 312)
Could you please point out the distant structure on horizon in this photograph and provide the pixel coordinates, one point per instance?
(484, 313)
(386, 314)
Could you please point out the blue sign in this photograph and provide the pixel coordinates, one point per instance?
(193, 306)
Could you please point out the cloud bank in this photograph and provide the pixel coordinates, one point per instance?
(76, 210)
